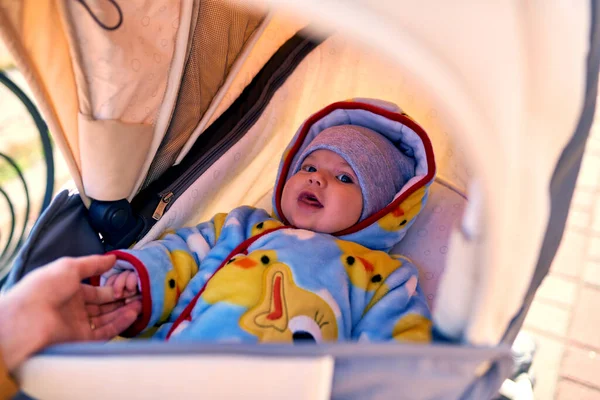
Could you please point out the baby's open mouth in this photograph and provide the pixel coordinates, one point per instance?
(310, 199)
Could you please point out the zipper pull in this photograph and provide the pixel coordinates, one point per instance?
(160, 209)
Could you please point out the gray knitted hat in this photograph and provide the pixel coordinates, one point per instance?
(380, 167)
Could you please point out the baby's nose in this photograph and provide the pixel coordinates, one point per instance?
(317, 179)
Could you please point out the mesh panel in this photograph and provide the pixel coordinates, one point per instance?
(221, 31)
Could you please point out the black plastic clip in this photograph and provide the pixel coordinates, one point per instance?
(115, 221)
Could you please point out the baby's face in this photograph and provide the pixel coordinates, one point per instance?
(324, 195)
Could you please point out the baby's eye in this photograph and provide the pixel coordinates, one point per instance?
(345, 178)
(309, 168)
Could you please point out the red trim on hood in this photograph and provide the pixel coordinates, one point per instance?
(140, 269)
(352, 105)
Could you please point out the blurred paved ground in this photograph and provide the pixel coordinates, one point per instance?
(565, 315)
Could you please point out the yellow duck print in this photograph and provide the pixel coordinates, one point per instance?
(406, 211)
(288, 313)
(184, 268)
(413, 328)
(219, 221)
(367, 269)
(238, 282)
(264, 226)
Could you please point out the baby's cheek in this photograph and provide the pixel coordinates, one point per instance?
(284, 204)
(355, 203)
(288, 196)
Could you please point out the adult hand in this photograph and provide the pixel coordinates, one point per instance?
(51, 305)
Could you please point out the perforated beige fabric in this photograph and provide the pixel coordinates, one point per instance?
(121, 76)
(270, 36)
(124, 71)
(222, 30)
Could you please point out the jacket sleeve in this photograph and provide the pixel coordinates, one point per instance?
(8, 387)
(165, 267)
(400, 312)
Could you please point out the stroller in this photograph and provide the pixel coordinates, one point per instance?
(169, 111)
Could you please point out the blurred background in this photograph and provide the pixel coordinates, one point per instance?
(22, 156)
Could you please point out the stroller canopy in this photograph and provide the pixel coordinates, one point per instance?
(127, 87)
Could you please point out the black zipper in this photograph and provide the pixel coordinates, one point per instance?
(224, 132)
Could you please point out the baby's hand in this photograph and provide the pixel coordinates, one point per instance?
(124, 284)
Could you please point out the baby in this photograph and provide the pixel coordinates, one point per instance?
(350, 183)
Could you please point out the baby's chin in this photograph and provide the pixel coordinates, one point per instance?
(317, 223)
(314, 226)
(301, 223)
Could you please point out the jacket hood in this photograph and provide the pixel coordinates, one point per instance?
(386, 227)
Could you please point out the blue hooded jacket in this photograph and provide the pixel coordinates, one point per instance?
(248, 276)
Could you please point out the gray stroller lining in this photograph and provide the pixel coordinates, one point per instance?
(379, 371)
(63, 230)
